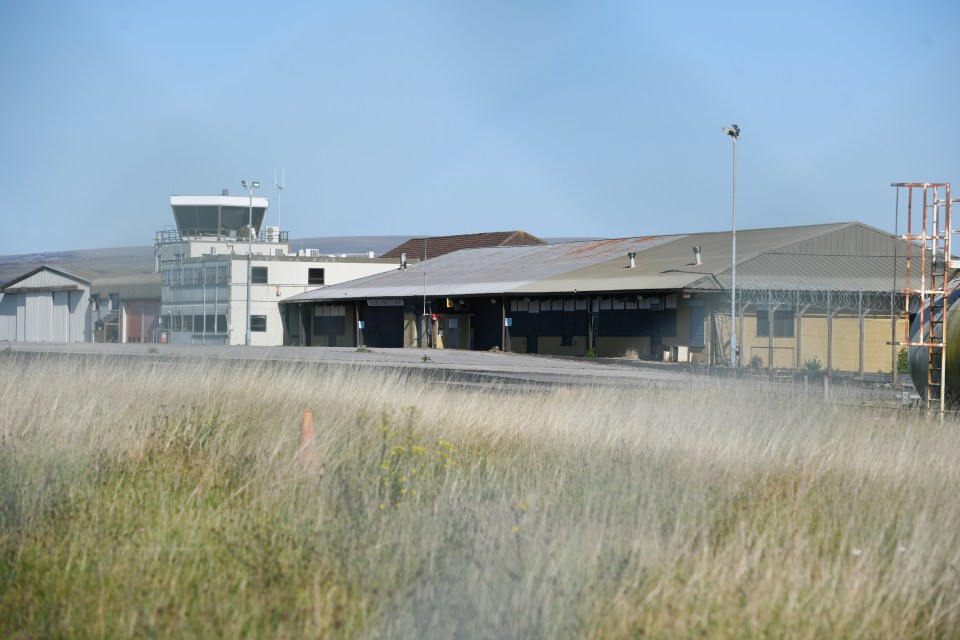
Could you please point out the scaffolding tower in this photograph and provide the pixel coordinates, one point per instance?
(928, 239)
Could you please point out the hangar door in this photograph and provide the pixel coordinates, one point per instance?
(38, 316)
(42, 316)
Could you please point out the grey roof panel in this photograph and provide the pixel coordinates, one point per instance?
(494, 270)
(839, 255)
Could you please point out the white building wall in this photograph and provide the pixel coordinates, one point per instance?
(9, 307)
(21, 318)
(79, 310)
(60, 317)
(285, 279)
(44, 316)
(286, 276)
(45, 279)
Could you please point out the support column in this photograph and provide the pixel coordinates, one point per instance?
(591, 338)
(770, 313)
(829, 334)
(860, 322)
(797, 327)
(893, 338)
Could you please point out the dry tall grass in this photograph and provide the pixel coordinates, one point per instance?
(152, 499)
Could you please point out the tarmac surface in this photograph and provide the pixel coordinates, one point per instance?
(492, 370)
(447, 365)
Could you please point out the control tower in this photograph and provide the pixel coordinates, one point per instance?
(219, 224)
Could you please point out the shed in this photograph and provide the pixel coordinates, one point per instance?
(45, 305)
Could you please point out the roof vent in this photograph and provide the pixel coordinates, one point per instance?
(697, 260)
(403, 262)
(633, 259)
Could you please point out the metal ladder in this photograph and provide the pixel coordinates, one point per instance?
(932, 238)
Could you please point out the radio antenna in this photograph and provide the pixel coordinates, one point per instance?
(279, 187)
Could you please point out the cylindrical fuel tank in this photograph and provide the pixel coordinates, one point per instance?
(919, 355)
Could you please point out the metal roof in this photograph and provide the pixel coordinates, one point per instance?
(487, 271)
(817, 256)
(847, 273)
(139, 286)
(441, 245)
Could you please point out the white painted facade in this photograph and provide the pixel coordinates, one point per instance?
(287, 277)
(204, 273)
(212, 291)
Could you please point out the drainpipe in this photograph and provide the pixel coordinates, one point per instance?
(503, 324)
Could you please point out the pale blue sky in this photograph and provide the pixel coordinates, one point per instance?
(594, 118)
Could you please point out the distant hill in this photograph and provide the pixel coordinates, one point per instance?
(118, 261)
(86, 263)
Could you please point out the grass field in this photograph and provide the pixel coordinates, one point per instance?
(172, 500)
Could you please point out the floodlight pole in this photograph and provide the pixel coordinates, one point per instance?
(249, 187)
(424, 341)
(734, 132)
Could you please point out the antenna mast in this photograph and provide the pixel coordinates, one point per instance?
(279, 187)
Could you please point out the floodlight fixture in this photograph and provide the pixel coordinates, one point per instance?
(733, 131)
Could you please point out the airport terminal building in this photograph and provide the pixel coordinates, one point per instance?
(204, 263)
(826, 293)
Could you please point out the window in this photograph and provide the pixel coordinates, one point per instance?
(258, 275)
(782, 323)
(258, 323)
(315, 276)
(221, 323)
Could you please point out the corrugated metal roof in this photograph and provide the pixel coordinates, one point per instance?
(786, 271)
(818, 256)
(484, 271)
(141, 286)
(442, 245)
(671, 265)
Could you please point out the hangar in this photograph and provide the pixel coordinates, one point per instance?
(45, 305)
(825, 294)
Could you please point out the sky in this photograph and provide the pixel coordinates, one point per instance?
(597, 118)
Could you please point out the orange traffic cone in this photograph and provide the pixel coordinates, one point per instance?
(307, 454)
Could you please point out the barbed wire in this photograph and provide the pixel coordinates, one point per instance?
(834, 300)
